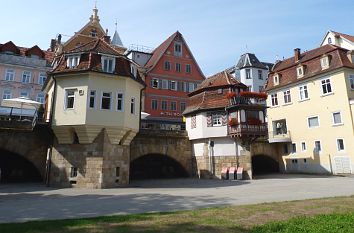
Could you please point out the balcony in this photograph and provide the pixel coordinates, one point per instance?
(279, 136)
(246, 98)
(248, 130)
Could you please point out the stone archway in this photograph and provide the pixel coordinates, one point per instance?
(263, 164)
(156, 166)
(16, 168)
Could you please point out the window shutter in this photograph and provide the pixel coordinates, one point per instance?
(169, 85)
(160, 83)
(224, 118)
(152, 82)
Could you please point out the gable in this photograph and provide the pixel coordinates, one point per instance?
(9, 47)
(35, 50)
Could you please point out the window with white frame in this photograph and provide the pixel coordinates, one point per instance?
(154, 83)
(276, 79)
(337, 118)
(154, 104)
(274, 98)
(173, 105)
(188, 68)
(313, 122)
(324, 62)
(7, 94)
(318, 147)
(303, 146)
(40, 98)
(190, 87)
(287, 97)
(326, 86)
(41, 79)
(216, 120)
(248, 74)
(108, 64)
(303, 92)
(351, 81)
(340, 144)
(178, 49)
(106, 100)
(72, 61)
(120, 101)
(173, 85)
(300, 71)
(69, 98)
(92, 100)
(24, 93)
(10, 75)
(183, 106)
(163, 105)
(293, 148)
(26, 76)
(164, 84)
(260, 74)
(133, 70)
(132, 105)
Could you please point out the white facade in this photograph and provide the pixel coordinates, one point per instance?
(254, 78)
(338, 40)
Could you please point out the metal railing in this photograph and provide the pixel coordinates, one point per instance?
(248, 129)
(17, 118)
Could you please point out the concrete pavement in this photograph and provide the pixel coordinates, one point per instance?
(25, 202)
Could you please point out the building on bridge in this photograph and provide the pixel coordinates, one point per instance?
(93, 107)
(222, 121)
(23, 71)
(171, 72)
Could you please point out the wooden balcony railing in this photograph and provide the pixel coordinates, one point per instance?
(241, 130)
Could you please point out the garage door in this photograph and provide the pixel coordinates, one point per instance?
(342, 165)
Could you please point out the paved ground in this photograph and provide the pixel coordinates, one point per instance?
(25, 202)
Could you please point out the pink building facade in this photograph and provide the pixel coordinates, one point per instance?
(23, 71)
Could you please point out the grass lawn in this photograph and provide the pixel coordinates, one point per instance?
(332, 215)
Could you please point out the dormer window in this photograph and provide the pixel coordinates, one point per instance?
(324, 62)
(93, 33)
(276, 79)
(73, 61)
(178, 49)
(133, 70)
(108, 64)
(300, 71)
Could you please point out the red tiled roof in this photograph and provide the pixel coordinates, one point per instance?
(312, 65)
(22, 51)
(346, 36)
(98, 46)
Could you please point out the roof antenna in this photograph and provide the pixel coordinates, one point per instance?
(116, 24)
(95, 4)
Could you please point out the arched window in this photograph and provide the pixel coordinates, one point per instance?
(329, 40)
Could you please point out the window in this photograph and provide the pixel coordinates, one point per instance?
(260, 88)
(216, 120)
(303, 146)
(178, 49)
(154, 83)
(276, 79)
(248, 74)
(26, 76)
(260, 74)
(293, 148)
(337, 118)
(93, 33)
(188, 69)
(303, 92)
(133, 70)
(329, 40)
(73, 172)
(300, 71)
(178, 67)
(326, 86)
(10, 75)
(24, 93)
(132, 105)
(194, 122)
(274, 99)
(7, 94)
(120, 101)
(72, 61)
(42, 78)
(92, 100)
(167, 65)
(287, 97)
(173, 105)
(313, 122)
(106, 100)
(154, 104)
(108, 64)
(324, 62)
(163, 105)
(183, 106)
(173, 85)
(249, 88)
(318, 146)
(164, 84)
(70, 98)
(351, 81)
(340, 144)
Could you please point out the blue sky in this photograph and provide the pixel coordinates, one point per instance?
(217, 31)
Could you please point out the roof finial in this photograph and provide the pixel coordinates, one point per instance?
(94, 16)
(95, 4)
(116, 24)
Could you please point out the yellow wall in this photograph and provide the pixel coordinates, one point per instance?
(297, 113)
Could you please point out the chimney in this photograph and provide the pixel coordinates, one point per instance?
(107, 39)
(53, 42)
(297, 54)
(59, 39)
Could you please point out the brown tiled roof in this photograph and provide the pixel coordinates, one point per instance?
(207, 97)
(346, 36)
(312, 65)
(90, 60)
(22, 51)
